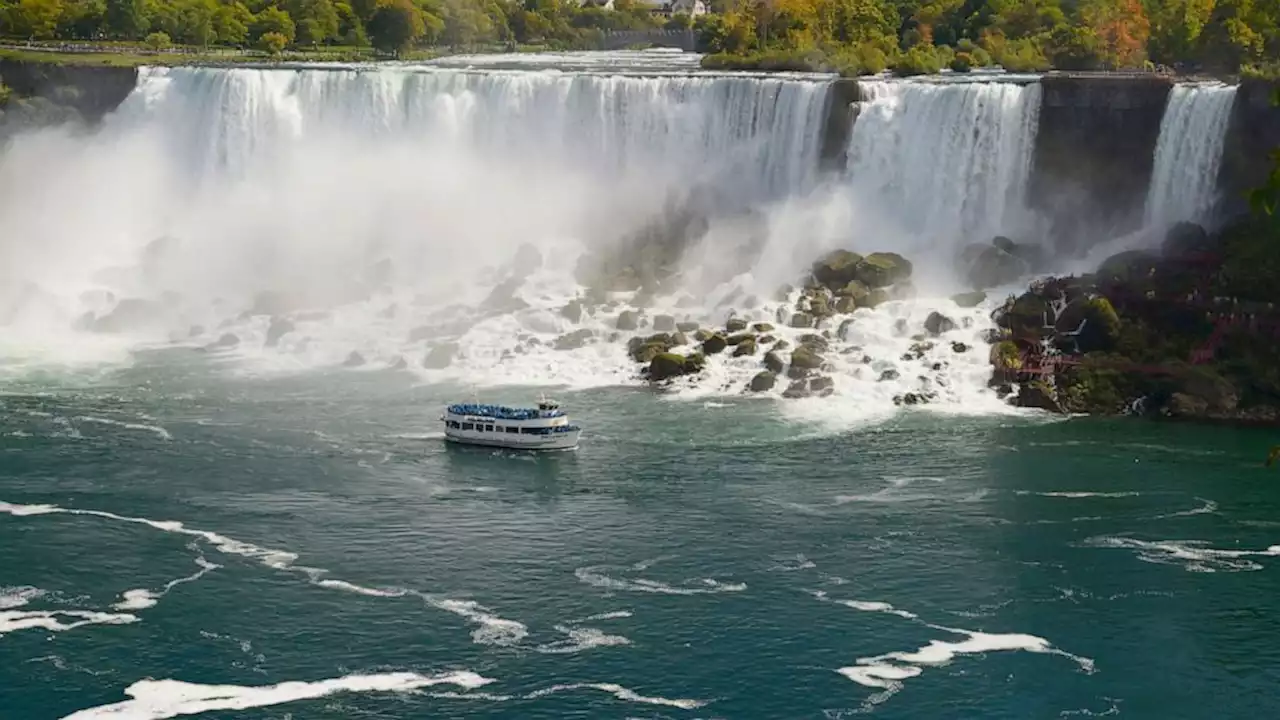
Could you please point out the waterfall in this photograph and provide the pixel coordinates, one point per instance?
(1184, 179)
(946, 163)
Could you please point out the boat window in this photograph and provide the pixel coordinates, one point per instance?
(512, 430)
(488, 428)
(467, 426)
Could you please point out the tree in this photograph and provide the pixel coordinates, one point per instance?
(273, 43)
(36, 19)
(126, 18)
(274, 20)
(81, 19)
(231, 23)
(395, 25)
(1121, 30)
(1176, 26)
(316, 20)
(158, 41)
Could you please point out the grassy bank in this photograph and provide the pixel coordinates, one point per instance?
(124, 55)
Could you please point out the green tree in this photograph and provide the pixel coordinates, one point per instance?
(37, 19)
(127, 19)
(82, 19)
(158, 41)
(273, 20)
(316, 20)
(273, 43)
(231, 23)
(395, 25)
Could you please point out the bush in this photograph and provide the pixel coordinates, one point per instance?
(919, 60)
(962, 63)
(158, 41)
(272, 42)
(772, 61)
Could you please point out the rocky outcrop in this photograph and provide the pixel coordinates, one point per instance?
(90, 92)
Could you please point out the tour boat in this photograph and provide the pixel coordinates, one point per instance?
(545, 427)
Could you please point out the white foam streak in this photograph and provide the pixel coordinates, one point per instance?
(492, 630)
(160, 699)
(597, 576)
(141, 598)
(15, 620)
(1184, 180)
(1191, 555)
(621, 693)
(156, 429)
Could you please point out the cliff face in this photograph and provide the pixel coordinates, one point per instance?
(1254, 128)
(1094, 153)
(92, 91)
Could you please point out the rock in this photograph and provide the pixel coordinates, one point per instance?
(686, 327)
(877, 297)
(762, 327)
(1098, 324)
(845, 305)
(889, 374)
(278, 328)
(702, 335)
(1182, 405)
(643, 350)
(822, 386)
(1202, 386)
(355, 359)
(803, 359)
(969, 299)
(399, 364)
(917, 351)
(574, 340)
(1005, 244)
(665, 366)
(801, 320)
(694, 363)
(439, 356)
(745, 348)
(937, 324)
(854, 290)
(740, 338)
(1133, 267)
(735, 325)
(843, 331)
(774, 362)
(763, 381)
(816, 343)
(714, 344)
(879, 270)
(959, 347)
(797, 389)
(502, 299)
(628, 320)
(819, 306)
(573, 311)
(994, 267)
(913, 398)
(836, 268)
(1186, 238)
(766, 340)
(227, 340)
(1038, 394)
(664, 323)
(781, 345)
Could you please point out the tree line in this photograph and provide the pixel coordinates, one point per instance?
(921, 36)
(855, 36)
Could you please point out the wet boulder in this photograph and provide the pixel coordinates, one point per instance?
(1186, 238)
(879, 270)
(745, 348)
(1039, 395)
(994, 267)
(763, 381)
(836, 268)
(278, 328)
(774, 362)
(735, 325)
(628, 320)
(665, 366)
(439, 356)
(572, 311)
(762, 327)
(664, 323)
(355, 359)
(937, 324)
(969, 299)
(715, 344)
(801, 320)
(574, 340)
(687, 327)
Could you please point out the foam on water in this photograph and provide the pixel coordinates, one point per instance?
(599, 576)
(160, 699)
(141, 598)
(17, 596)
(156, 429)
(580, 639)
(58, 620)
(1192, 555)
(492, 630)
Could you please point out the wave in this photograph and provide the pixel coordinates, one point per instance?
(141, 598)
(160, 699)
(598, 576)
(1192, 555)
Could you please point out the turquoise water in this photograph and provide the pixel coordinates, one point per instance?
(693, 559)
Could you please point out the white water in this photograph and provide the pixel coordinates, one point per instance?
(377, 209)
(1184, 179)
(944, 164)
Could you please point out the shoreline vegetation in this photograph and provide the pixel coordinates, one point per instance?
(1225, 38)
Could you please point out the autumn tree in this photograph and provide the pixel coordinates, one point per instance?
(1118, 28)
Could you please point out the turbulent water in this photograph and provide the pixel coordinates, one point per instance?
(229, 317)
(1188, 153)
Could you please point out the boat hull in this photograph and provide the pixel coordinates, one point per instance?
(555, 441)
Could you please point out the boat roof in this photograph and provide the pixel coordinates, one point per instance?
(501, 412)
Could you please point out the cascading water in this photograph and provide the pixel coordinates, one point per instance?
(944, 164)
(1184, 180)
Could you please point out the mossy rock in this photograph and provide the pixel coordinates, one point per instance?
(1039, 394)
(766, 339)
(879, 270)
(740, 338)
(820, 306)
(805, 357)
(1026, 313)
(969, 299)
(774, 362)
(1101, 329)
(855, 289)
(836, 268)
(876, 298)
(763, 381)
(762, 327)
(781, 345)
(695, 363)
(715, 344)
(1005, 356)
(799, 388)
(702, 335)
(735, 325)
(687, 327)
(801, 320)
(745, 348)
(665, 366)
(843, 331)
(844, 305)
(814, 342)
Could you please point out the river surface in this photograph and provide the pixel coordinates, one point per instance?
(311, 547)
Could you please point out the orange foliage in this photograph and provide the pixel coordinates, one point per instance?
(1123, 28)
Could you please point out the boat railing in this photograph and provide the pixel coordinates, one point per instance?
(500, 412)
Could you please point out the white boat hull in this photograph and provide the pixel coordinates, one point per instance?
(554, 441)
